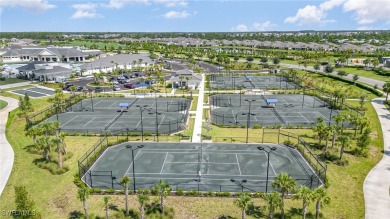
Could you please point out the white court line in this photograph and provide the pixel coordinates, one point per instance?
(166, 155)
(239, 169)
(304, 117)
(113, 103)
(203, 162)
(161, 122)
(192, 178)
(270, 163)
(99, 102)
(37, 92)
(91, 168)
(203, 153)
(181, 174)
(138, 124)
(89, 121)
(310, 167)
(135, 158)
(234, 117)
(68, 121)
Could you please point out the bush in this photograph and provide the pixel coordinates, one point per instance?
(179, 192)
(147, 134)
(257, 127)
(96, 190)
(109, 191)
(53, 167)
(193, 193)
(223, 194)
(143, 191)
(209, 193)
(289, 143)
(343, 162)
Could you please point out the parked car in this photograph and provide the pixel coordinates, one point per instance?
(116, 82)
(116, 88)
(129, 85)
(98, 89)
(67, 86)
(79, 89)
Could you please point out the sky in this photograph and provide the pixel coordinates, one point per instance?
(192, 15)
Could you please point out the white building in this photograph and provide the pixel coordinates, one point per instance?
(44, 54)
(121, 61)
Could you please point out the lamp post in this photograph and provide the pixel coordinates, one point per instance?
(240, 87)
(239, 183)
(141, 108)
(268, 154)
(248, 118)
(234, 83)
(132, 155)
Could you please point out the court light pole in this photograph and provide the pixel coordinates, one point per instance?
(248, 118)
(239, 183)
(268, 154)
(132, 155)
(141, 107)
(234, 83)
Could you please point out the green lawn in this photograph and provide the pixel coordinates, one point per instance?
(3, 104)
(329, 84)
(364, 73)
(11, 81)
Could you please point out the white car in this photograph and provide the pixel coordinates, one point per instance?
(116, 88)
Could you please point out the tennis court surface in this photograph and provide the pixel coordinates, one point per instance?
(286, 110)
(97, 115)
(250, 82)
(199, 166)
(34, 92)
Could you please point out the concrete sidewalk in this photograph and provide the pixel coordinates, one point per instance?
(6, 152)
(376, 185)
(197, 134)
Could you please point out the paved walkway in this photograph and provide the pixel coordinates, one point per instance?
(377, 183)
(6, 152)
(197, 134)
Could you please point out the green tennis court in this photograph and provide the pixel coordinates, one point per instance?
(199, 166)
(250, 82)
(286, 110)
(164, 115)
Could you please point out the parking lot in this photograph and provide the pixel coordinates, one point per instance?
(34, 92)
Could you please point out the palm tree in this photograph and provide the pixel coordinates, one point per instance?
(386, 89)
(56, 127)
(59, 149)
(335, 129)
(181, 81)
(306, 194)
(47, 128)
(321, 129)
(162, 189)
(243, 202)
(106, 199)
(142, 200)
(43, 143)
(327, 134)
(273, 202)
(284, 184)
(125, 180)
(339, 119)
(33, 132)
(321, 199)
(187, 79)
(82, 195)
(344, 142)
(62, 138)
